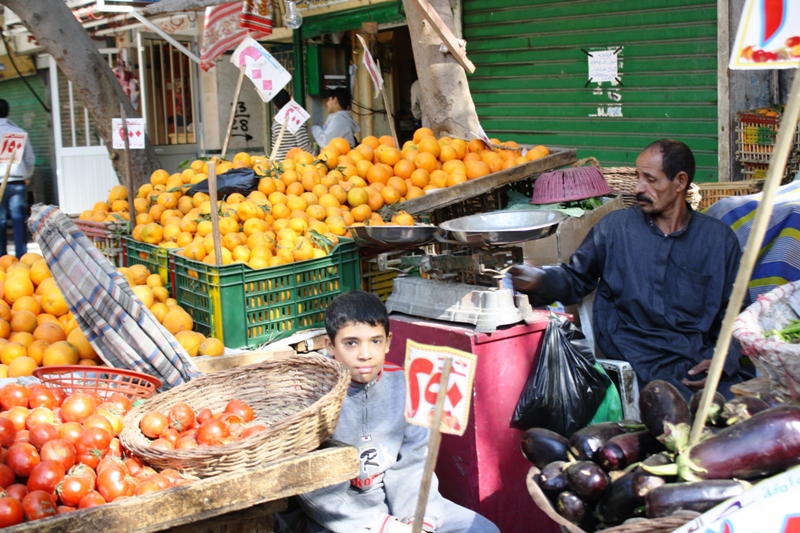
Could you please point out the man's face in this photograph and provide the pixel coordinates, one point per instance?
(654, 192)
(362, 349)
(332, 104)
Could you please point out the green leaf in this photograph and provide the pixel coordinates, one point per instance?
(320, 241)
(186, 163)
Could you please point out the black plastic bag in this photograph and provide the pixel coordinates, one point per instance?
(241, 180)
(564, 389)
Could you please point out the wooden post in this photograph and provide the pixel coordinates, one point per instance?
(777, 165)
(389, 114)
(128, 174)
(5, 179)
(236, 94)
(212, 197)
(444, 33)
(278, 142)
(433, 447)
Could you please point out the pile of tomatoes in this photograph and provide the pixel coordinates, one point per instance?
(181, 428)
(61, 452)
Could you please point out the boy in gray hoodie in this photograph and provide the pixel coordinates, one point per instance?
(383, 498)
(339, 122)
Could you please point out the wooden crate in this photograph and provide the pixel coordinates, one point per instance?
(712, 192)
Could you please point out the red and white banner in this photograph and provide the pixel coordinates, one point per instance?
(372, 68)
(423, 369)
(768, 36)
(257, 16)
(227, 25)
(295, 114)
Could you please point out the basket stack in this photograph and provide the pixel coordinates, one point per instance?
(755, 142)
(299, 400)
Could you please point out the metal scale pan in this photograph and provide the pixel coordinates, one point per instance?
(393, 235)
(502, 228)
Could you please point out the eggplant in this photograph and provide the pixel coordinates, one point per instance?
(714, 411)
(644, 481)
(665, 414)
(618, 502)
(773, 400)
(542, 446)
(571, 507)
(553, 478)
(741, 408)
(587, 479)
(585, 442)
(767, 443)
(624, 450)
(699, 496)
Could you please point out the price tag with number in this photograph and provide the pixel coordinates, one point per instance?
(8, 143)
(423, 368)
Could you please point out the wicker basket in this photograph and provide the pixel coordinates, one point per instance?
(712, 192)
(103, 381)
(634, 525)
(298, 399)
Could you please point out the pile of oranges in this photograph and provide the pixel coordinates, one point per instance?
(305, 203)
(152, 293)
(114, 209)
(36, 326)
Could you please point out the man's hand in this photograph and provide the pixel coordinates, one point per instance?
(395, 526)
(701, 367)
(526, 278)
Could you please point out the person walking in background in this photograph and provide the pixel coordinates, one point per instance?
(417, 109)
(14, 197)
(339, 122)
(289, 140)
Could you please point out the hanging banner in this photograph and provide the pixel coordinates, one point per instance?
(8, 143)
(768, 36)
(423, 369)
(135, 134)
(372, 68)
(295, 114)
(263, 70)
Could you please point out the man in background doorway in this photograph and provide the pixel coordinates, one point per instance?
(417, 108)
(14, 197)
(339, 122)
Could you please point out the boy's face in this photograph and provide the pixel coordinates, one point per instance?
(362, 349)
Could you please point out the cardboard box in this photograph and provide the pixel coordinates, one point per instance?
(571, 233)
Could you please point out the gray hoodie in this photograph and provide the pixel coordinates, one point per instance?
(392, 454)
(339, 124)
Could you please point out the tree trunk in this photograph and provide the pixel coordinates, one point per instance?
(57, 30)
(445, 92)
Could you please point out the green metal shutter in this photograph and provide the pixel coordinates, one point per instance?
(530, 83)
(27, 113)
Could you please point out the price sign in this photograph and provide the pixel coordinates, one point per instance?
(295, 114)
(264, 71)
(135, 133)
(8, 143)
(768, 36)
(423, 368)
(372, 68)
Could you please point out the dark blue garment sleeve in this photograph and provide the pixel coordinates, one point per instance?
(568, 284)
(733, 255)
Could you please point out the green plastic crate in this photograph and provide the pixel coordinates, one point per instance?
(155, 258)
(245, 307)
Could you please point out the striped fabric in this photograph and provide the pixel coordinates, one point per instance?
(779, 258)
(226, 26)
(257, 16)
(289, 141)
(122, 330)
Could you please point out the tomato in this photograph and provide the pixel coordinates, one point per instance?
(238, 407)
(204, 415)
(162, 444)
(39, 504)
(6, 476)
(145, 473)
(58, 392)
(90, 460)
(59, 450)
(42, 397)
(73, 489)
(114, 482)
(70, 431)
(181, 416)
(18, 415)
(161, 480)
(185, 443)
(791, 42)
(23, 436)
(114, 415)
(171, 435)
(212, 433)
(93, 440)
(92, 499)
(13, 395)
(191, 433)
(121, 401)
(78, 407)
(107, 461)
(39, 415)
(7, 432)
(83, 471)
(134, 465)
(153, 424)
(115, 448)
(97, 421)
(22, 458)
(45, 476)
(17, 491)
(11, 512)
(146, 487)
(41, 434)
(252, 430)
(64, 509)
(759, 56)
(172, 475)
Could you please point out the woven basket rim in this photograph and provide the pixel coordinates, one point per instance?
(215, 452)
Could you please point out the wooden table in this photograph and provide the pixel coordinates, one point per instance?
(235, 502)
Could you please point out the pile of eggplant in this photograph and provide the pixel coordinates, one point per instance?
(607, 473)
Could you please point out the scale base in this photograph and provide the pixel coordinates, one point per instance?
(485, 308)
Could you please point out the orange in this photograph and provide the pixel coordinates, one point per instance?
(361, 213)
(422, 133)
(11, 351)
(23, 321)
(340, 144)
(328, 200)
(439, 179)
(329, 156)
(310, 198)
(320, 189)
(454, 165)
(145, 294)
(152, 233)
(317, 212)
(378, 186)
(366, 151)
(339, 193)
(495, 164)
(476, 169)
(404, 168)
(30, 258)
(22, 366)
(391, 156)
(309, 180)
(398, 184)
(420, 178)
(159, 177)
(426, 160)
(85, 350)
(447, 153)
(402, 218)
(375, 199)
(378, 174)
(476, 145)
(5, 329)
(390, 195)
(387, 140)
(363, 167)
(36, 351)
(16, 287)
(212, 346)
(5, 311)
(27, 303)
(414, 192)
(228, 225)
(6, 261)
(455, 179)
(371, 141)
(295, 188)
(357, 196)
(49, 333)
(190, 340)
(60, 353)
(267, 186)
(178, 320)
(430, 145)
